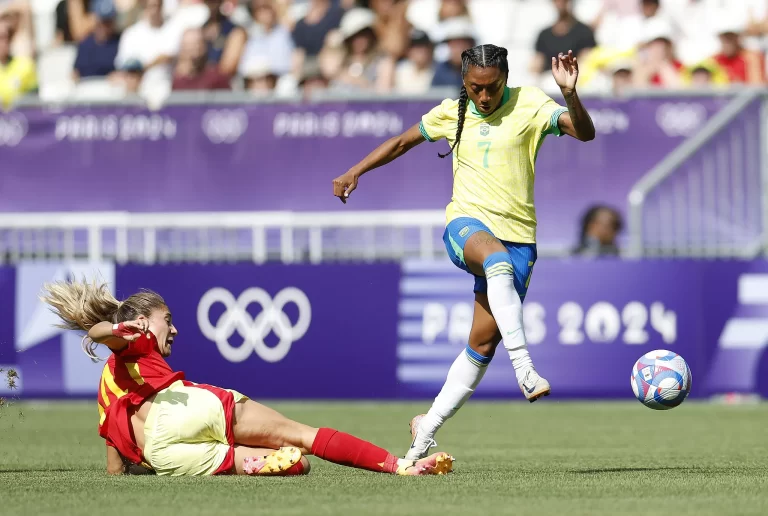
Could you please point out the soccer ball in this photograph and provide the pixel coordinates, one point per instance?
(661, 380)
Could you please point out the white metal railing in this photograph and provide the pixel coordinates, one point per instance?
(707, 198)
(257, 236)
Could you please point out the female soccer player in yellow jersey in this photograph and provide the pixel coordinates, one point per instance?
(494, 133)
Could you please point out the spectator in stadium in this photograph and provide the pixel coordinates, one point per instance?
(391, 27)
(621, 78)
(143, 41)
(459, 35)
(77, 19)
(600, 226)
(414, 74)
(707, 74)
(63, 34)
(620, 23)
(97, 52)
(310, 32)
(17, 14)
(364, 66)
(129, 75)
(452, 9)
(259, 78)
(17, 73)
(566, 34)
(657, 65)
(312, 79)
(267, 38)
(193, 71)
(740, 64)
(224, 39)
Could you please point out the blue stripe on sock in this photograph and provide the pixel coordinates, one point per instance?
(476, 357)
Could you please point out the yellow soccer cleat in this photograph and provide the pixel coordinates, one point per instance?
(276, 463)
(436, 464)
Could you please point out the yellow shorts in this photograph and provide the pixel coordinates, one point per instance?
(188, 430)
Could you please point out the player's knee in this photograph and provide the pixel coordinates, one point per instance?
(497, 264)
(484, 337)
(484, 344)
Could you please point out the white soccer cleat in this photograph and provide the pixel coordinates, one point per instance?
(420, 445)
(534, 386)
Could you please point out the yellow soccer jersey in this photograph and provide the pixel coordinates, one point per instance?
(493, 166)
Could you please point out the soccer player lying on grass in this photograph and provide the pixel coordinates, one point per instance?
(150, 415)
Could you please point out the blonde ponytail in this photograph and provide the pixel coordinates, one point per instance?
(81, 305)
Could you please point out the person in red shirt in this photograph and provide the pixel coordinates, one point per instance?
(151, 415)
(741, 65)
(193, 71)
(657, 65)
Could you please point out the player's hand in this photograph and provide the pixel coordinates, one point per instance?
(131, 330)
(344, 185)
(565, 70)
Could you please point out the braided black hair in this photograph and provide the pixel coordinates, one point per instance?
(483, 56)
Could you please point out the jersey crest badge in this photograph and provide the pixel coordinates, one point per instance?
(484, 129)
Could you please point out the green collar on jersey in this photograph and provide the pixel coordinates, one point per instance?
(504, 100)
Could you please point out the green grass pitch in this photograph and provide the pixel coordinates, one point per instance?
(548, 458)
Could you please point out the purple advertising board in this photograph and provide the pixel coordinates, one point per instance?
(391, 331)
(278, 331)
(283, 157)
(587, 322)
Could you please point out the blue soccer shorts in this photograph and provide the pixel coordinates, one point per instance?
(523, 256)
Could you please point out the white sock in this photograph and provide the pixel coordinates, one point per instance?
(507, 309)
(463, 377)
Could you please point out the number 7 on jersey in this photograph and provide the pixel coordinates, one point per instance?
(487, 146)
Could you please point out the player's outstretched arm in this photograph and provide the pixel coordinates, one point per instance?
(576, 122)
(390, 150)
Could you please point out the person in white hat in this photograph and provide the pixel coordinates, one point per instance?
(458, 34)
(363, 65)
(260, 78)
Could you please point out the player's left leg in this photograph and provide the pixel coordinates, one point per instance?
(255, 424)
(463, 378)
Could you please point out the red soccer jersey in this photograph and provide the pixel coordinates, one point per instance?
(735, 67)
(130, 376)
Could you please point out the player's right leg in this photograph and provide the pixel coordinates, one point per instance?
(463, 378)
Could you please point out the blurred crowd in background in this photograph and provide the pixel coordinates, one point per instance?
(108, 49)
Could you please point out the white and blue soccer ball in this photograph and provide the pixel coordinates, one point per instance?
(661, 379)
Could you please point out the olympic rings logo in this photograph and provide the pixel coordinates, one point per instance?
(680, 118)
(254, 330)
(224, 125)
(13, 129)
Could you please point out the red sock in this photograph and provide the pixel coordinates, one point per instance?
(348, 450)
